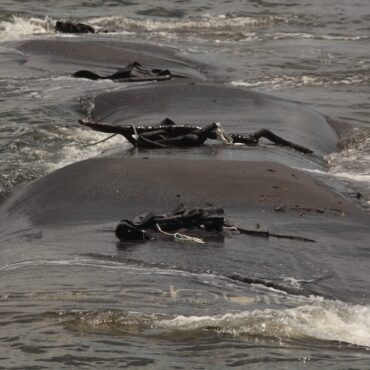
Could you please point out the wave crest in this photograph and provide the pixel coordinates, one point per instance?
(206, 22)
(317, 319)
(327, 79)
(16, 27)
(322, 319)
(352, 162)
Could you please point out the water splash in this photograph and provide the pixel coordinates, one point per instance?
(205, 22)
(51, 148)
(357, 78)
(353, 161)
(316, 319)
(320, 319)
(16, 27)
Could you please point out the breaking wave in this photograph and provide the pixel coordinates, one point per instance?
(311, 36)
(15, 27)
(60, 146)
(205, 22)
(352, 162)
(317, 319)
(321, 319)
(328, 79)
(221, 28)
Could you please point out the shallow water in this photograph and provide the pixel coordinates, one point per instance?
(159, 316)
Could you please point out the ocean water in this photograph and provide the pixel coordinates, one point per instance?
(313, 52)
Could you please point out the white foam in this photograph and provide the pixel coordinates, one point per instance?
(17, 27)
(235, 27)
(293, 282)
(358, 177)
(76, 149)
(205, 22)
(309, 36)
(352, 162)
(284, 81)
(320, 319)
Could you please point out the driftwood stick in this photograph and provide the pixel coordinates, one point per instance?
(280, 141)
(173, 132)
(267, 234)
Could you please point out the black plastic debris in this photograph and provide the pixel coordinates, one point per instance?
(70, 27)
(133, 72)
(144, 226)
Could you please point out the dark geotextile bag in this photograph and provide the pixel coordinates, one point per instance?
(128, 232)
(181, 217)
(69, 27)
(210, 218)
(131, 72)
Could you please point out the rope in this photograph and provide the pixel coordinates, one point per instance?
(135, 132)
(180, 237)
(231, 228)
(101, 141)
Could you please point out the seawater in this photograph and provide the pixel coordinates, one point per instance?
(313, 52)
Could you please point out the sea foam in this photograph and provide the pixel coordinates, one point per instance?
(318, 319)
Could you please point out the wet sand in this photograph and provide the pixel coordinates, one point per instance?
(81, 204)
(122, 187)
